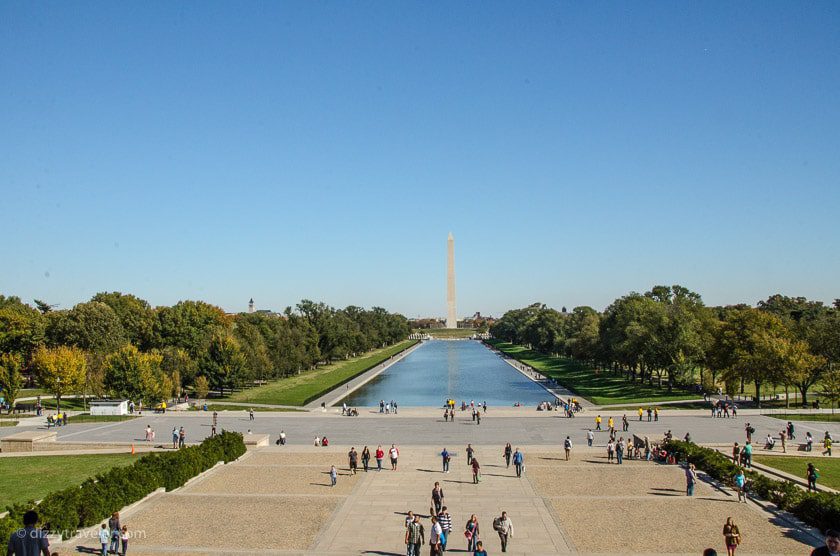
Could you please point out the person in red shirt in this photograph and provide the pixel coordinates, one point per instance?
(379, 455)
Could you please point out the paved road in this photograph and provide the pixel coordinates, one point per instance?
(426, 427)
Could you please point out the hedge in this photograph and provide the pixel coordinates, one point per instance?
(818, 509)
(66, 511)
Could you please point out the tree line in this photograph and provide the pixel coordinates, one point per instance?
(116, 344)
(668, 335)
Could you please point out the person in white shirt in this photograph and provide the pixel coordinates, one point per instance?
(590, 436)
(504, 526)
(394, 453)
(104, 538)
(567, 445)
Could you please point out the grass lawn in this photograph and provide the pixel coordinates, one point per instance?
(601, 389)
(8, 423)
(829, 468)
(74, 404)
(818, 417)
(33, 477)
(298, 390)
(86, 418)
(220, 407)
(447, 332)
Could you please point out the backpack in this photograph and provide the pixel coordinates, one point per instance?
(497, 524)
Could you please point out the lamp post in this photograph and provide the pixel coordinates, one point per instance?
(58, 397)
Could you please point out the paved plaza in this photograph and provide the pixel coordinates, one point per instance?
(279, 500)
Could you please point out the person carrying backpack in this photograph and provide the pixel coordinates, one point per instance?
(567, 445)
(504, 527)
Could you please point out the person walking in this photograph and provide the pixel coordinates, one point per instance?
(437, 499)
(741, 484)
(353, 459)
(641, 412)
(333, 475)
(507, 455)
(282, 437)
(394, 453)
(590, 436)
(790, 430)
(809, 441)
(656, 414)
(365, 458)
(598, 423)
(444, 455)
(435, 542)
(114, 528)
(476, 471)
(736, 454)
(182, 438)
(812, 473)
(379, 455)
(478, 418)
(567, 445)
(479, 549)
(251, 414)
(445, 521)
(104, 538)
(625, 424)
(124, 540)
(610, 451)
(690, 479)
(174, 438)
(619, 450)
(783, 436)
(731, 536)
(611, 424)
(31, 541)
(518, 462)
(471, 532)
(827, 445)
(747, 452)
(504, 527)
(470, 453)
(414, 537)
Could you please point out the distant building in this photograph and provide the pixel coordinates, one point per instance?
(251, 305)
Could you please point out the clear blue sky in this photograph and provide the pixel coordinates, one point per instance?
(323, 150)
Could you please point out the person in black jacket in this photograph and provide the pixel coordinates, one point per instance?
(832, 544)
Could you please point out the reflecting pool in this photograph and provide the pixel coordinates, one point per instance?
(440, 369)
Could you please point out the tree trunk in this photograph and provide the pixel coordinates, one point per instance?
(742, 385)
(804, 391)
(758, 395)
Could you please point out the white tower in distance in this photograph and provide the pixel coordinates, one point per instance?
(451, 315)
(251, 305)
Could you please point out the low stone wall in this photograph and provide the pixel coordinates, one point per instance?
(28, 441)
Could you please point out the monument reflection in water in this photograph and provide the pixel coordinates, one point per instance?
(463, 369)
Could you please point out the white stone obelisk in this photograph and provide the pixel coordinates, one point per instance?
(451, 316)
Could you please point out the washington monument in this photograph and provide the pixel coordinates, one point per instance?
(451, 317)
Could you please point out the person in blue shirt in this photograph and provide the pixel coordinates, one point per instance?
(446, 457)
(518, 460)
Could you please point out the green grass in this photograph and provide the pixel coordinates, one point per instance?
(685, 405)
(8, 423)
(300, 389)
(817, 417)
(86, 418)
(220, 407)
(33, 392)
(602, 388)
(32, 477)
(73, 404)
(829, 469)
(446, 332)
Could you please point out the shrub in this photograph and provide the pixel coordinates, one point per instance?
(818, 509)
(65, 511)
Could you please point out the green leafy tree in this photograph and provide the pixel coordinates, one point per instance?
(11, 380)
(92, 326)
(134, 375)
(60, 370)
(190, 325)
(224, 363)
(21, 329)
(201, 387)
(831, 387)
(178, 365)
(135, 315)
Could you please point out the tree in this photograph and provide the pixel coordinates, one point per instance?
(11, 380)
(224, 363)
(756, 345)
(21, 329)
(135, 315)
(190, 325)
(800, 368)
(831, 387)
(132, 374)
(178, 365)
(61, 370)
(201, 387)
(91, 326)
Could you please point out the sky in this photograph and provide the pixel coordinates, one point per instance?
(286, 150)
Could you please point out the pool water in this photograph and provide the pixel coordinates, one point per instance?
(441, 369)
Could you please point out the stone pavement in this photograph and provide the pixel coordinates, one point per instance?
(278, 500)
